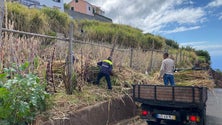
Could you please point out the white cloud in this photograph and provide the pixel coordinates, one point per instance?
(153, 15)
(193, 44)
(215, 3)
(181, 29)
(213, 48)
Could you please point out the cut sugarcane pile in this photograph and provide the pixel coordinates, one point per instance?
(194, 78)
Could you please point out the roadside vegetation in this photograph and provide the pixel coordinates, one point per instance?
(22, 96)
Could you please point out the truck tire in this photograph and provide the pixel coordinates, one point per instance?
(203, 116)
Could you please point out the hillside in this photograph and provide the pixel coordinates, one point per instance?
(50, 21)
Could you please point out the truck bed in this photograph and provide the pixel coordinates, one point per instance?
(170, 96)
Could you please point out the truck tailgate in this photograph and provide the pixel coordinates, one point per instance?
(170, 95)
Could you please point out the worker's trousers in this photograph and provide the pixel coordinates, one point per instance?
(168, 78)
(107, 76)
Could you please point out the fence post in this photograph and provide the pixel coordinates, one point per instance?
(2, 8)
(70, 62)
(131, 57)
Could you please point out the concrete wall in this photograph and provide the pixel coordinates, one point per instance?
(106, 113)
(80, 16)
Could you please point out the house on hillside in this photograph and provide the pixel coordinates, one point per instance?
(58, 4)
(81, 9)
(85, 7)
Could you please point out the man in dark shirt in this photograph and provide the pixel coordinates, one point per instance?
(106, 67)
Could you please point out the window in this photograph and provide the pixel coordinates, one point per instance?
(89, 8)
(77, 1)
(72, 8)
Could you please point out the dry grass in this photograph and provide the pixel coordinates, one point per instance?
(63, 104)
(194, 78)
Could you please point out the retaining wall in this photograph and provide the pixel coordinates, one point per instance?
(105, 113)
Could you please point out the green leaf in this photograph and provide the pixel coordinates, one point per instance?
(3, 75)
(24, 66)
(3, 93)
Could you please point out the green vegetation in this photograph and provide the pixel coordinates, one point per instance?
(35, 20)
(172, 43)
(58, 22)
(204, 56)
(48, 21)
(66, 6)
(22, 96)
(123, 34)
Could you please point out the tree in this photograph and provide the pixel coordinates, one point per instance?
(205, 54)
(172, 43)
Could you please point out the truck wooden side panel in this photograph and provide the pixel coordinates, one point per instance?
(174, 94)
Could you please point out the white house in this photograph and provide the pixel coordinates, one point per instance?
(58, 4)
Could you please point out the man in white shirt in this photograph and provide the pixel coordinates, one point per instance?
(167, 70)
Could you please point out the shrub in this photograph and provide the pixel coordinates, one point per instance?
(22, 96)
(58, 21)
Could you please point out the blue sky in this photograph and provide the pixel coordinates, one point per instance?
(196, 23)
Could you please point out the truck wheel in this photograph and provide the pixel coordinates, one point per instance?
(203, 115)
